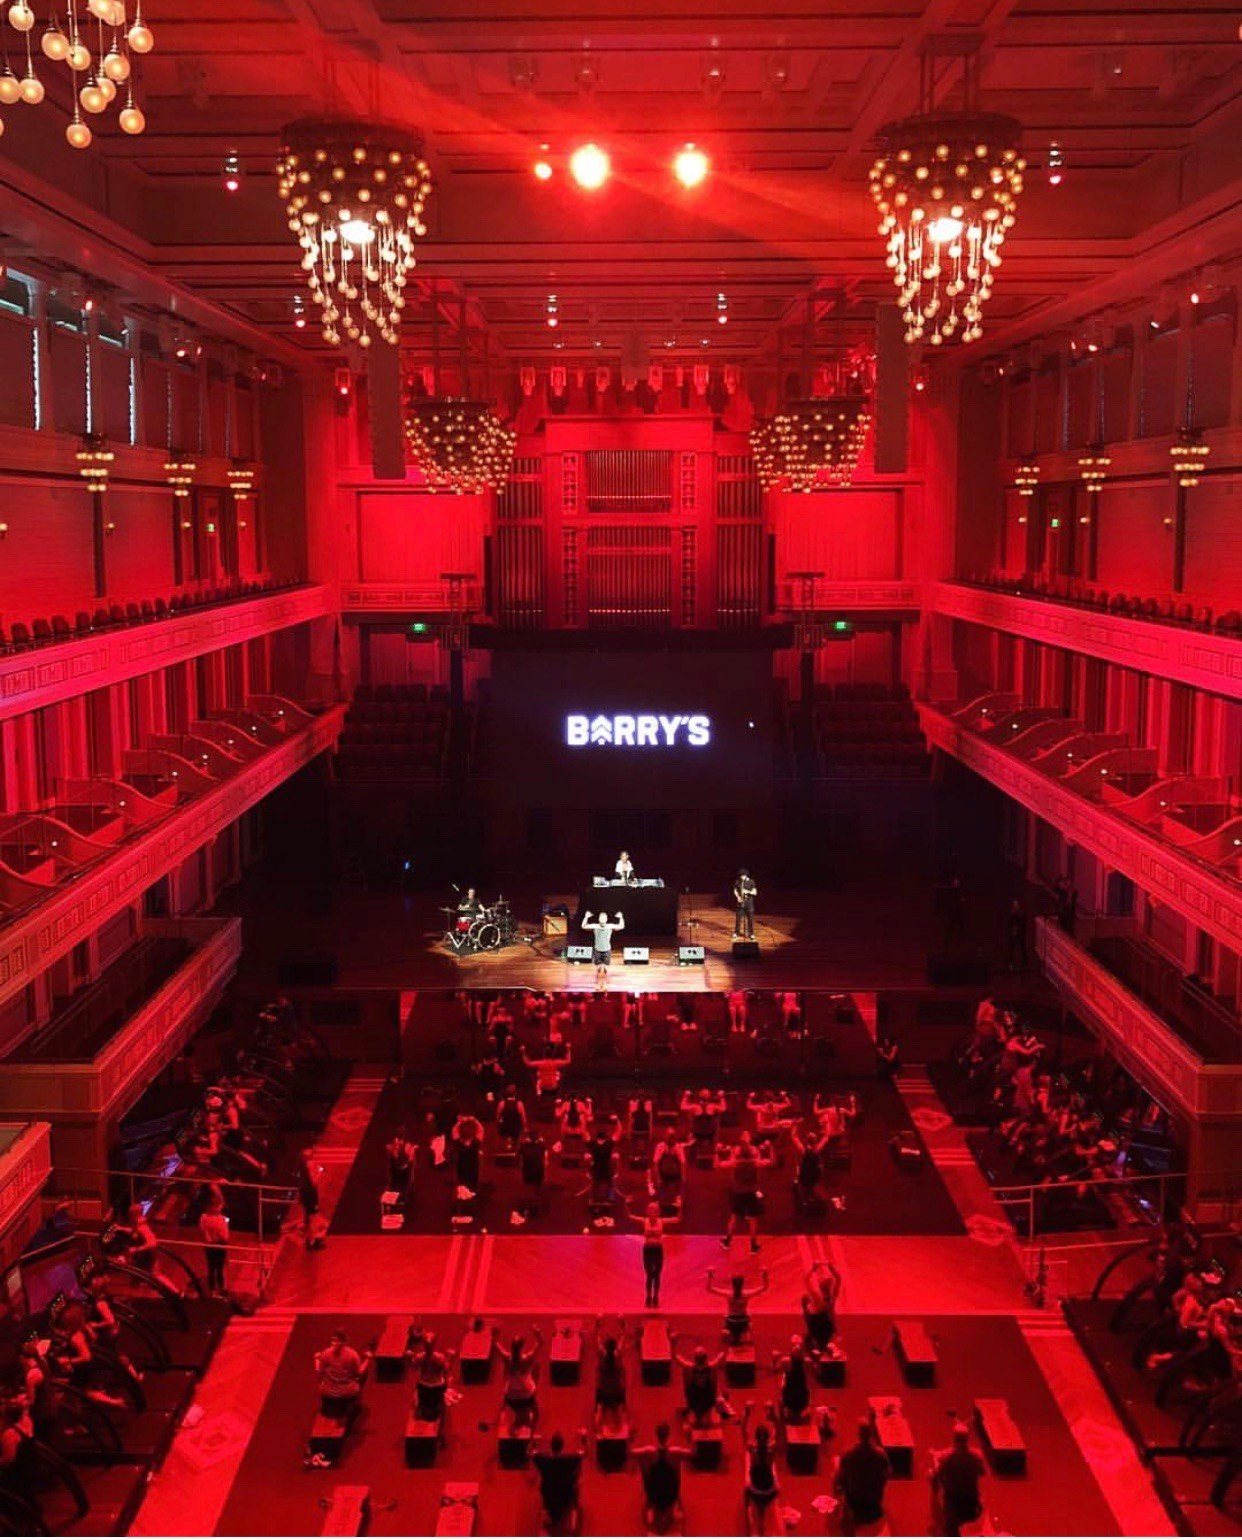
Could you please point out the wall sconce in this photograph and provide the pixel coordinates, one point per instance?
(109, 528)
(241, 524)
(4, 530)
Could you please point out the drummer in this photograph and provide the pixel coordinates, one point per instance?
(468, 908)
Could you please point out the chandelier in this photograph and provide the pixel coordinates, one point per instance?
(179, 474)
(94, 463)
(354, 195)
(99, 77)
(1093, 468)
(460, 445)
(809, 442)
(1188, 454)
(946, 186)
(1026, 478)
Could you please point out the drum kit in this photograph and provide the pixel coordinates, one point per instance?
(489, 928)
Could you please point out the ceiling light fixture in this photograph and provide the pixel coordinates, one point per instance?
(231, 173)
(590, 166)
(543, 166)
(94, 462)
(354, 195)
(947, 187)
(1026, 478)
(104, 72)
(722, 308)
(1056, 165)
(1188, 455)
(690, 166)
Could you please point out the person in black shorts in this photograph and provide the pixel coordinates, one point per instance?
(762, 1488)
(559, 1473)
(745, 1200)
(703, 1402)
(819, 1307)
(609, 1381)
(862, 1475)
(533, 1169)
(794, 1402)
(668, 1173)
(956, 1478)
(660, 1465)
(602, 1163)
(737, 1311)
(654, 1225)
(602, 930)
(510, 1119)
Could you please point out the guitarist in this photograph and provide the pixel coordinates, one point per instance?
(744, 894)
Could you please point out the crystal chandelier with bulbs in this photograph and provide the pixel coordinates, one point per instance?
(810, 443)
(96, 43)
(460, 445)
(1188, 456)
(947, 187)
(354, 195)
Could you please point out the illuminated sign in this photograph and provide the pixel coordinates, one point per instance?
(637, 731)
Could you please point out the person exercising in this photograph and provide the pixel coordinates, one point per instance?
(602, 930)
(744, 895)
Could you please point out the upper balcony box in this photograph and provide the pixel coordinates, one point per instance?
(1207, 660)
(41, 676)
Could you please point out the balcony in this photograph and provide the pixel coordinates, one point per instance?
(25, 1165)
(363, 600)
(60, 670)
(1189, 654)
(120, 1031)
(167, 805)
(831, 596)
(1136, 1032)
(1039, 772)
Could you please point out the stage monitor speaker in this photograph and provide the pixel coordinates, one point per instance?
(745, 949)
(578, 954)
(890, 429)
(384, 402)
(690, 956)
(636, 954)
(948, 971)
(306, 972)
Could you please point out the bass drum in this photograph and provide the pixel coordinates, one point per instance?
(487, 936)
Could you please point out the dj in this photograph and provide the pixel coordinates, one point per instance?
(624, 868)
(744, 894)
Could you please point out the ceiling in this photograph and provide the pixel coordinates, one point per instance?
(1145, 100)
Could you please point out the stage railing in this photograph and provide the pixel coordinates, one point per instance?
(260, 1211)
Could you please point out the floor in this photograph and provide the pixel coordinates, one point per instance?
(240, 1469)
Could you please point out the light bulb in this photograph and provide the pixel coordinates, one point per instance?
(78, 135)
(79, 58)
(357, 232)
(108, 88)
(21, 17)
(100, 8)
(92, 98)
(140, 37)
(132, 120)
(590, 166)
(32, 90)
(54, 43)
(116, 66)
(690, 166)
(10, 88)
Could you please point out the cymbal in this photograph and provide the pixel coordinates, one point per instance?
(448, 908)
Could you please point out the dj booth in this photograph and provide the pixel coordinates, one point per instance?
(650, 908)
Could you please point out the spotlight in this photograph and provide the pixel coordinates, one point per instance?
(1056, 165)
(543, 166)
(690, 166)
(231, 173)
(589, 166)
(1194, 296)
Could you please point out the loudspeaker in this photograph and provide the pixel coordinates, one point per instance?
(384, 401)
(957, 970)
(306, 972)
(892, 392)
(689, 956)
(636, 954)
(745, 949)
(578, 954)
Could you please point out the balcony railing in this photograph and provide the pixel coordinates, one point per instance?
(41, 676)
(1137, 1034)
(438, 598)
(1208, 895)
(83, 1068)
(25, 1165)
(831, 596)
(1195, 655)
(199, 806)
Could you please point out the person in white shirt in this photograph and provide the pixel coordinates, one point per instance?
(624, 868)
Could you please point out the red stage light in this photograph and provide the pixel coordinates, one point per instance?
(590, 166)
(690, 166)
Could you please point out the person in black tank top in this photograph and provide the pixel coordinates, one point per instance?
(603, 1161)
(660, 1464)
(795, 1398)
(762, 1488)
(699, 1386)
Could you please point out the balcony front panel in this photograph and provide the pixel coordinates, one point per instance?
(838, 596)
(1139, 1038)
(146, 1042)
(41, 676)
(25, 1165)
(1207, 898)
(37, 938)
(395, 599)
(1197, 658)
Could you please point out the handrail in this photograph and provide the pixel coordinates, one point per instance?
(1029, 1194)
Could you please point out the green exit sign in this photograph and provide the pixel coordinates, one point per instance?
(419, 628)
(842, 628)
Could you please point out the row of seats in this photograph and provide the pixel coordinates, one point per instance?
(398, 711)
(861, 692)
(388, 762)
(42, 632)
(416, 694)
(1166, 611)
